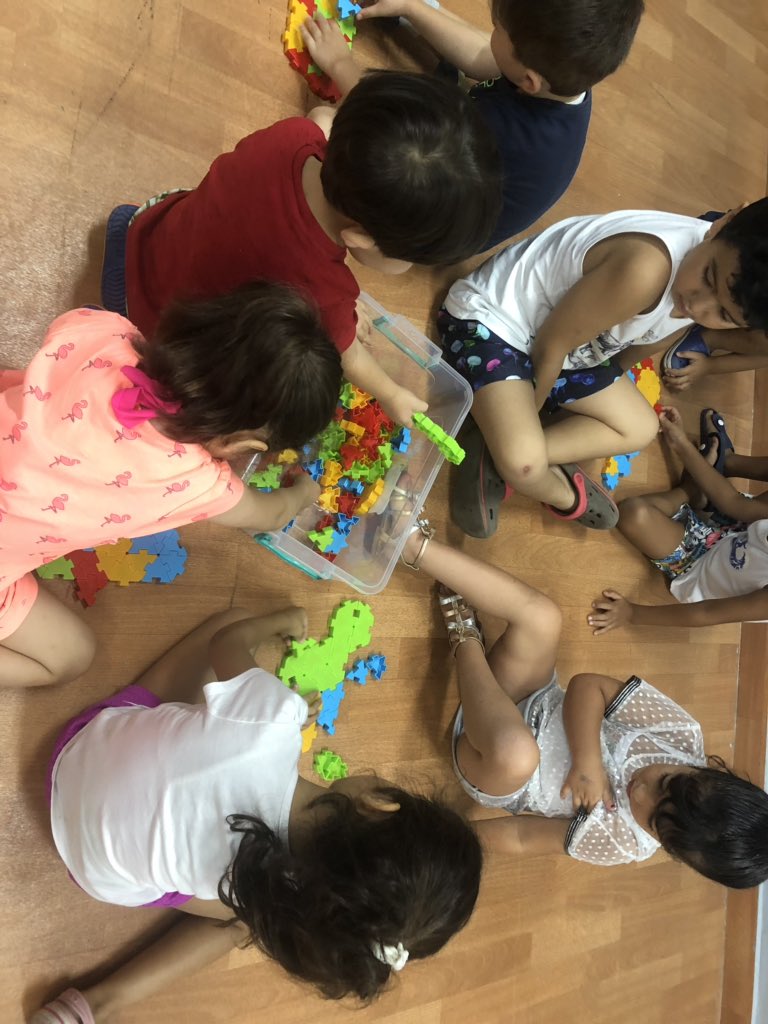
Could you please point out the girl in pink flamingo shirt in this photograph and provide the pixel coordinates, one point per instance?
(105, 436)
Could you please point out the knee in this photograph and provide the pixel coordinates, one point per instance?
(521, 469)
(635, 515)
(642, 431)
(547, 621)
(77, 655)
(515, 758)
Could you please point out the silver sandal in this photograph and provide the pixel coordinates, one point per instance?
(461, 620)
(427, 531)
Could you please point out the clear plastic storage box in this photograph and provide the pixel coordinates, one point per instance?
(375, 543)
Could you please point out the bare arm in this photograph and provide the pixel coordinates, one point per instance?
(732, 351)
(464, 45)
(612, 610)
(587, 697)
(260, 512)
(524, 834)
(232, 649)
(622, 277)
(362, 370)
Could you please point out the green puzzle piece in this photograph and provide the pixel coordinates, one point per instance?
(320, 664)
(447, 445)
(330, 766)
(61, 568)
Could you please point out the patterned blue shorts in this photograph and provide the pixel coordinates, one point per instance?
(482, 357)
(699, 536)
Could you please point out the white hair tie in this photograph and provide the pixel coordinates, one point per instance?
(395, 957)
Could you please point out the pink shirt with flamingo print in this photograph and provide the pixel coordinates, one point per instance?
(70, 475)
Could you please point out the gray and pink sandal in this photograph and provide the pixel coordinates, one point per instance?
(595, 508)
(70, 1007)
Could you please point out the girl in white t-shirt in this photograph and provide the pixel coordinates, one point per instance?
(161, 802)
(607, 771)
(709, 540)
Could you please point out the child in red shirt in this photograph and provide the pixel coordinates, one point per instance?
(408, 174)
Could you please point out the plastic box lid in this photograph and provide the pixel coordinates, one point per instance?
(375, 543)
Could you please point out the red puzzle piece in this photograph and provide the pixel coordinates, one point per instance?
(89, 579)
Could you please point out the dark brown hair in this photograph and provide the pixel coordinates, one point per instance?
(256, 359)
(573, 44)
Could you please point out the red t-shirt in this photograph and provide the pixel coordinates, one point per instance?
(247, 219)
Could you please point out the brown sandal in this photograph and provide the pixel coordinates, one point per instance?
(427, 531)
(461, 620)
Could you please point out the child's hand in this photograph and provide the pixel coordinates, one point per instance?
(671, 423)
(401, 405)
(314, 702)
(587, 785)
(383, 9)
(325, 43)
(364, 326)
(610, 612)
(294, 626)
(680, 380)
(305, 490)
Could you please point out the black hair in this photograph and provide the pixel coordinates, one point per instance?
(257, 358)
(410, 160)
(573, 44)
(363, 878)
(717, 823)
(747, 233)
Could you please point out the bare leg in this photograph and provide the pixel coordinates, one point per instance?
(509, 421)
(524, 834)
(180, 674)
(497, 752)
(747, 467)
(647, 525)
(615, 421)
(52, 645)
(192, 943)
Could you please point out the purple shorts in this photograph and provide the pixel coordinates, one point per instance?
(131, 696)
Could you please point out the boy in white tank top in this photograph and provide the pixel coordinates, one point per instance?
(546, 318)
(709, 540)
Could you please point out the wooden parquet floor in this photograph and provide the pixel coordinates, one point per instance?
(112, 100)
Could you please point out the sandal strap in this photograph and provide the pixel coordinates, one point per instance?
(422, 524)
(461, 621)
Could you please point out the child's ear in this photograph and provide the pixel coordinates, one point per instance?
(232, 445)
(719, 224)
(355, 237)
(372, 802)
(531, 82)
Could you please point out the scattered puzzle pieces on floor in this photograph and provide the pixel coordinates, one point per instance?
(377, 664)
(448, 446)
(647, 382)
(330, 766)
(158, 557)
(359, 672)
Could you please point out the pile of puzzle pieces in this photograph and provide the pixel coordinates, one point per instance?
(330, 766)
(157, 558)
(647, 382)
(320, 665)
(342, 11)
(350, 460)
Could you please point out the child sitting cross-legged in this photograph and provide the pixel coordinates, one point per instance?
(177, 794)
(709, 539)
(605, 771)
(545, 320)
(107, 435)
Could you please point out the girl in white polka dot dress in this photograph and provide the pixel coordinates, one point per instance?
(606, 770)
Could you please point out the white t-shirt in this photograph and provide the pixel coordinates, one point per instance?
(141, 795)
(736, 565)
(514, 291)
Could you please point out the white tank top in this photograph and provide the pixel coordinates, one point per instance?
(513, 292)
(736, 565)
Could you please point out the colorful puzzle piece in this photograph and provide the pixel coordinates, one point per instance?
(377, 665)
(330, 766)
(647, 382)
(331, 703)
(120, 566)
(447, 445)
(166, 567)
(89, 579)
(359, 672)
(319, 665)
(59, 568)
(308, 737)
(343, 12)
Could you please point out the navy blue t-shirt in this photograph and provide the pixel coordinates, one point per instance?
(540, 141)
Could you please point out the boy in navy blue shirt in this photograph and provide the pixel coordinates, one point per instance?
(536, 69)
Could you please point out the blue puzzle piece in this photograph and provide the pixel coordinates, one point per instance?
(345, 523)
(359, 672)
(377, 665)
(348, 8)
(338, 543)
(352, 486)
(156, 543)
(315, 469)
(166, 567)
(331, 702)
(402, 440)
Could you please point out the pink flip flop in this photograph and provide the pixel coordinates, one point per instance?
(595, 508)
(69, 1008)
